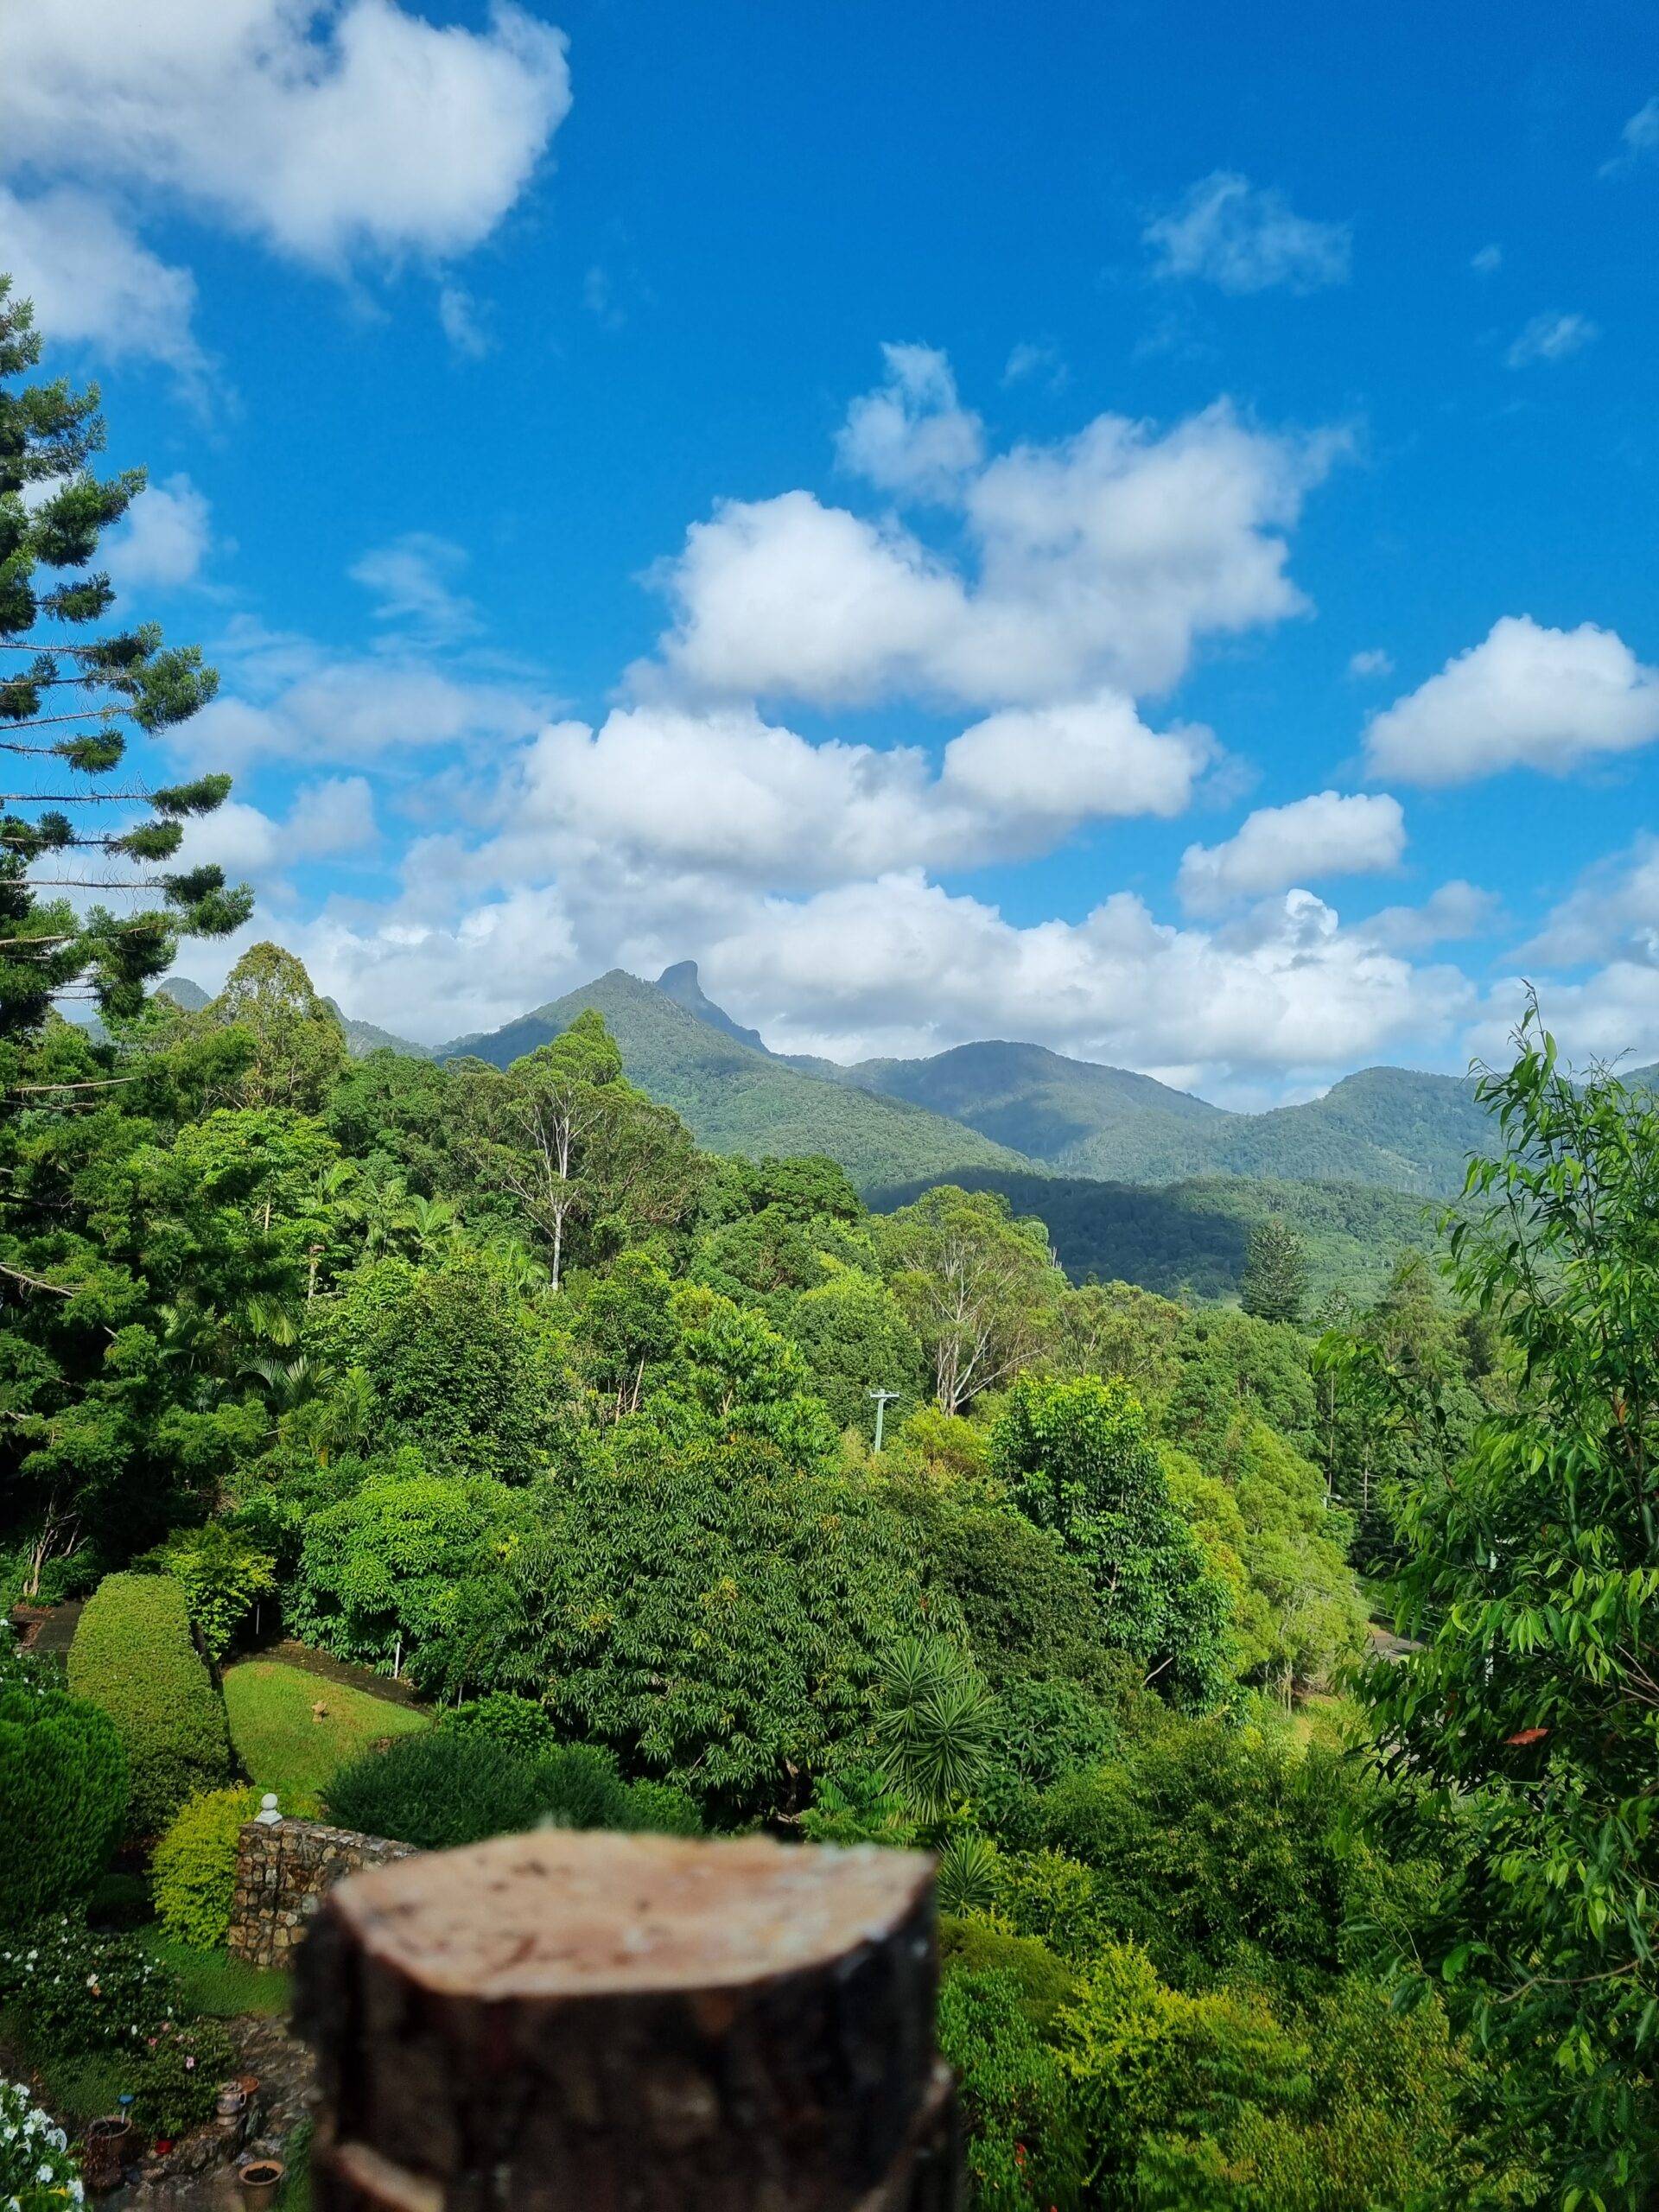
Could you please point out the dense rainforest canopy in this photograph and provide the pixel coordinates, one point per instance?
(491, 1377)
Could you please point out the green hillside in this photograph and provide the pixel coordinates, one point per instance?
(1193, 1236)
(735, 1098)
(1391, 1126)
(1040, 1103)
(183, 992)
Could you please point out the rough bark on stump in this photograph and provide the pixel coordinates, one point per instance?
(629, 2023)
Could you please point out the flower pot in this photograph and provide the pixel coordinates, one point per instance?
(108, 2146)
(232, 2101)
(260, 2179)
(162, 2145)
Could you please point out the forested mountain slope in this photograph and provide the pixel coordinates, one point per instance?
(737, 1098)
(1391, 1126)
(1194, 1237)
(1395, 1127)
(1042, 1103)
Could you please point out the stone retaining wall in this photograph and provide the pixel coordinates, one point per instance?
(283, 1872)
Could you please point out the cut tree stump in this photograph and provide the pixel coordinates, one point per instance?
(595, 2022)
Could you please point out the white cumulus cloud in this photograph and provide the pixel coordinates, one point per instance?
(895, 963)
(324, 820)
(1246, 238)
(1324, 834)
(1456, 909)
(913, 434)
(331, 131)
(164, 539)
(1612, 910)
(900, 965)
(721, 791)
(284, 700)
(1526, 696)
(1101, 559)
(93, 283)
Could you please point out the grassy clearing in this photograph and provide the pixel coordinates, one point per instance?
(222, 1987)
(82, 2087)
(281, 1743)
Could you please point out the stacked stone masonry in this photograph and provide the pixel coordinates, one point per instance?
(282, 1873)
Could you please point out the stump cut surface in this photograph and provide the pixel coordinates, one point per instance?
(558, 1914)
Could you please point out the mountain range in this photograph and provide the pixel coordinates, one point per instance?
(999, 1106)
(737, 1096)
(993, 1112)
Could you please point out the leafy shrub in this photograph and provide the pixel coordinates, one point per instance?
(581, 1786)
(1030, 1606)
(133, 1656)
(452, 1786)
(36, 2172)
(63, 1796)
(1215, 1850)
(435, 1790)
(1024, 2151)
(222, 1573)
(714, 1613)
(178, 2077)
(456, 1362)
(658, 1808)
(1056, 1899)
(857, 1804)
(18, 1671)
(393, 1566)
(977, 1943)
(81, 1990)
(194, 1867)
(518, 1723)
(1211, 2103)
(1045, 1730)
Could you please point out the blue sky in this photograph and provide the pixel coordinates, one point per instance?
(1128, 526)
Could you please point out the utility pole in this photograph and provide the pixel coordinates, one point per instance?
(883, 1399)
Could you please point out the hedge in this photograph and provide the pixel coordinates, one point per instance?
(193, 1871)
(448, 1786)
(63, 1798)
(133, 1656)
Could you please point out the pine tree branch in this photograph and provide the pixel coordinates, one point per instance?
(51, 721)
(71, 937)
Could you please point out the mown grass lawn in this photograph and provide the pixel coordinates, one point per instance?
(284, 1745)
